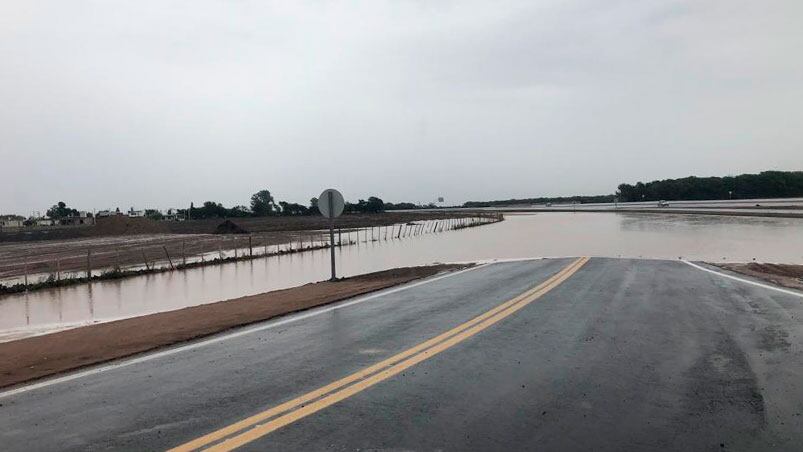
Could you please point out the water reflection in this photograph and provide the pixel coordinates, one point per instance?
(713, 238)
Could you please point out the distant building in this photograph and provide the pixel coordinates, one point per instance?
(45, 221)
(8, 222)
(173, 215)
(136, 213)
(76, 220)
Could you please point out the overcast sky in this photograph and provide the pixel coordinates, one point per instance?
(157, 104)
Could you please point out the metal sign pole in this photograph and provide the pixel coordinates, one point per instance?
(331, 205)
(332, 235)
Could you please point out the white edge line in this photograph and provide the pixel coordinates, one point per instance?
(240, 332)
(746, 281)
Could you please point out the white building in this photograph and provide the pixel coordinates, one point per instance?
(173, 215)
(6, 222)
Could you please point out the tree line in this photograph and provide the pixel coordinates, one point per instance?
(263, 204)
(767, 184)
(581, 199)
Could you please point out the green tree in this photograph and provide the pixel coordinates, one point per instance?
(60, 210)
(262, 203)
(769, 184)
(153, 214)
(238, 212)
(374, 205)
(291, 208)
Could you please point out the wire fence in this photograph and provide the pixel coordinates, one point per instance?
(53, 269)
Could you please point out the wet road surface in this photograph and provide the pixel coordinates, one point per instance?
(609, 354)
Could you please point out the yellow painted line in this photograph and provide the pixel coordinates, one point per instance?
(250, 421)
(375, 373)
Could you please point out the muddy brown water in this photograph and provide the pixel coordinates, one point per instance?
(661, 236)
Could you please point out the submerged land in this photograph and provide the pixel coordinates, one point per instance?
(118, 243)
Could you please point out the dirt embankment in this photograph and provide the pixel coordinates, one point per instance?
(310, 222)
(126, 226)
(120, 225)
(104, 227)
(785, 275)
(42, 356)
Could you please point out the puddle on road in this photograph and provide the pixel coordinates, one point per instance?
(695, 237)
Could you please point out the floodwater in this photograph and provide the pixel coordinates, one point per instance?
(662, 236)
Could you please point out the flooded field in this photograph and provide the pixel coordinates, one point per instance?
(693, 237)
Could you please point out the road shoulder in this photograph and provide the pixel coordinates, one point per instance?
(43, 356)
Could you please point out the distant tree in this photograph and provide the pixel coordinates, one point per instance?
(291, 209)
(238, 212)
(153, 214)
(313, 207)
(262, 203)
(372, 205)
(210, 209)
(400, 206)
(580, 199)
(768, 184)
(60, 210)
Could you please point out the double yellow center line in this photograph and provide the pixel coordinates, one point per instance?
(261, 424)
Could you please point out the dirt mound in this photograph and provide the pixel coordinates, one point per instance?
(227, 227)
(122, 225)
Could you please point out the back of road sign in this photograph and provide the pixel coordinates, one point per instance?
(331, 203)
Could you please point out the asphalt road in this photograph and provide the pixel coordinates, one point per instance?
(621, 355)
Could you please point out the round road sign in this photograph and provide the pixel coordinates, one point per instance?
(331, 203)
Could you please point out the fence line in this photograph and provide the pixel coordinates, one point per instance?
(178, 255)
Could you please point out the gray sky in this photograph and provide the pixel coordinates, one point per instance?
(156, 104)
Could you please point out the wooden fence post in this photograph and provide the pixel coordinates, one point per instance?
(145, 258)
(170, 261)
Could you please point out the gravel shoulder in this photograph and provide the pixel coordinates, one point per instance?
(785, 275)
